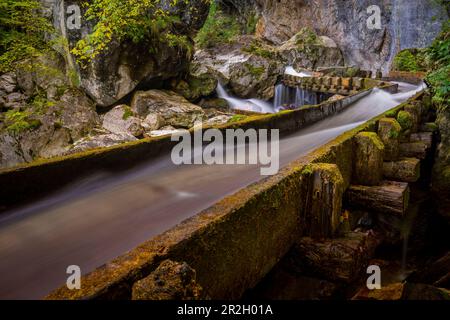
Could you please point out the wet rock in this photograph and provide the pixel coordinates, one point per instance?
(418, 291)
(436, 273)
(218, 120)
(336, 97)
(120, 120)
(78, 113)
(100, 141)
(15, 100)
(392, 292)
(174, 109)
(10, 152)
(126, 64)
(195, 87)
(53, 131)
(248, 68)
(308, 50)
(153, 122)
(8, 83)
(345, 23)
(170, 281)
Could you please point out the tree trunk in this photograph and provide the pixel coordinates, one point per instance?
(390, 197)
(404, 170)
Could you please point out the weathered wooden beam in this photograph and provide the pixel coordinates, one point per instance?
(414, 150)
(404, 170)
(389, 197)
(389, 131)
(368, 153)
(323, 201)
(341, 259)
(425, 137)
(415, 112)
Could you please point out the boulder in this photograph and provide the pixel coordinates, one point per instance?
(125, 64)
(120, 120)
(170, 281)
(100, 141)
(10, 152)
(153, 122)
(174, 109)
(308, 50)
(218, 120)
(49, 132)
(8, 82)
(249, 68)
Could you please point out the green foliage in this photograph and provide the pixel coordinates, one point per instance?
(307, 42)
(19, 121)
(237, 118)
(22, 32)
(135, 20)
(258, 50)
(411, 60)
(438, 55)
(40, 104)
(393, 134)
(128, 113)
(250, 26)
(307, 171)
(405, 120)
(255, 71)
(219, 28)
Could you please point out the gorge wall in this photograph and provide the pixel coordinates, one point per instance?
(404, 24)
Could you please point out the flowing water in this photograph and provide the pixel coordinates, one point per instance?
(254, 105)
(101, 217)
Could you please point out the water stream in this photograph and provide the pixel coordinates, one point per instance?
(105, 215)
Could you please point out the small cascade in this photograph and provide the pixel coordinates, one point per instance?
(292, 98)
(254, 105)
(292, 72)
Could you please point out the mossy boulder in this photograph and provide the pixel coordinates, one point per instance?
(176, 110)
(368, 154)
(246, 71)
(170, 281)
(308, 50)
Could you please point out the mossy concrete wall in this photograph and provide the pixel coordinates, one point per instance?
(30, 181)
(235, 243)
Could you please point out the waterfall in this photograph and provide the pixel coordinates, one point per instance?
(254, 105)
(292, 98)
(292, 72)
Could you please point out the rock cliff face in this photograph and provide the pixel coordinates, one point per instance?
(125, 65)
(404, 24)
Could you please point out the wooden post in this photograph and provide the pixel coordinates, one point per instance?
(415, 112)
(367, 159)
(389, 131)
(404, 170)
(324, 200)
